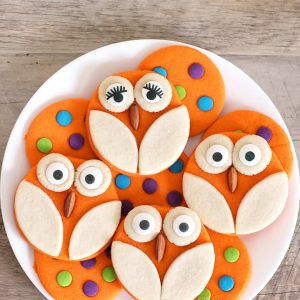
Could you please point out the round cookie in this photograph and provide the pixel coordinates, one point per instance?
(59, 128)
(137, 123)
(197, 80)
(66, 214)
(77, 280)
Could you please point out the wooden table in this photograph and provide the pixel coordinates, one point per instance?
(39, 37)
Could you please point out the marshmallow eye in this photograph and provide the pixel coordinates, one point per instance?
(251, 155)
(116, 93)
(55, 172)
(214, 154)
(182, 226)
(92, 178)
(143, 224)
(153, 92)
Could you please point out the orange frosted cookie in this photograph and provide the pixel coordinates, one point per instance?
(59, 128)
(197, 80)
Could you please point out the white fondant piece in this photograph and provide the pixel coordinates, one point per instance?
(208, 203)
(262, 204)
(136, 271)
(113, 140)
(38, 218)
(189, 273)
(164, 141)
(94, 230)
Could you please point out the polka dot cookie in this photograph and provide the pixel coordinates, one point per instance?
(197, 80)
(93, 278)
(59, 128)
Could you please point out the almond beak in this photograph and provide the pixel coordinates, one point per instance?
(134, 116)
(69, 204)
(232, 179)
(160, 247)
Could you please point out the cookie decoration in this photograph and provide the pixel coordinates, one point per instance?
(59, 128)
(235, 180)
(197, 80)
(169, 247)
(137, 123)
(67, 208)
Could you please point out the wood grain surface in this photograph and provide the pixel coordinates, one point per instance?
(39, 37)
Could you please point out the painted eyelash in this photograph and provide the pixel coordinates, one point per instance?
(115, 90)
(153, 87)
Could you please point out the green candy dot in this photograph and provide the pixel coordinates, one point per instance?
(231, 254)
(44, 145)
(205, 295)
(108, 274)
(180, 91)
(64, 278)
(239, 131)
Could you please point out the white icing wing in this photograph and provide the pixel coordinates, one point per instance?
(94, 230)
(164, 141)
(189, 273)
(262, 204)
(38, 218)
(113, 140)
(135, 271)
(208, 203)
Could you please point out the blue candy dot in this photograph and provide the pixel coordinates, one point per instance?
(63, 118)
(122, 181)
(226, 283)
(160, 70)
(205, 103)
(177, 167)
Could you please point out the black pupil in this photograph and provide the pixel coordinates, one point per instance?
(151, 94)
(184, 227)
(144, 224)
(58, 174)
(217, 156)
(89, 179)
(249, 156)
(118, 97)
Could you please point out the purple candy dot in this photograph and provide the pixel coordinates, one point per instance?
(265, 133)
(127, 206)
(150, 186)
(196, 71)
(174, 198)
(90, 288)
(76, 141)
(108, 251)
(89, 263)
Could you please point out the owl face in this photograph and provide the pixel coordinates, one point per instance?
(162, 253)
(235, 183)
(67, 208)
(137, 123)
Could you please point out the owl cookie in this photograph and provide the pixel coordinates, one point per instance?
(59, 128)
(236, 179)
(162, 253)
(67, 208)
(197, 81)
(93, 278)
(137, 123)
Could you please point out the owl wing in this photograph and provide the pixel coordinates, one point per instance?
(38, 218)
(136, 271)
(262, 204)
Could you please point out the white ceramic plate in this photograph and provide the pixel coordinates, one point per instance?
(79, 79)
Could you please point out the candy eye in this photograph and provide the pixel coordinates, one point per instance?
(116, 93)
(251, 155)
(143, 223)
(153, 92)
(214, 154)
(55, 172)
(93, 178)
(182, 226)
